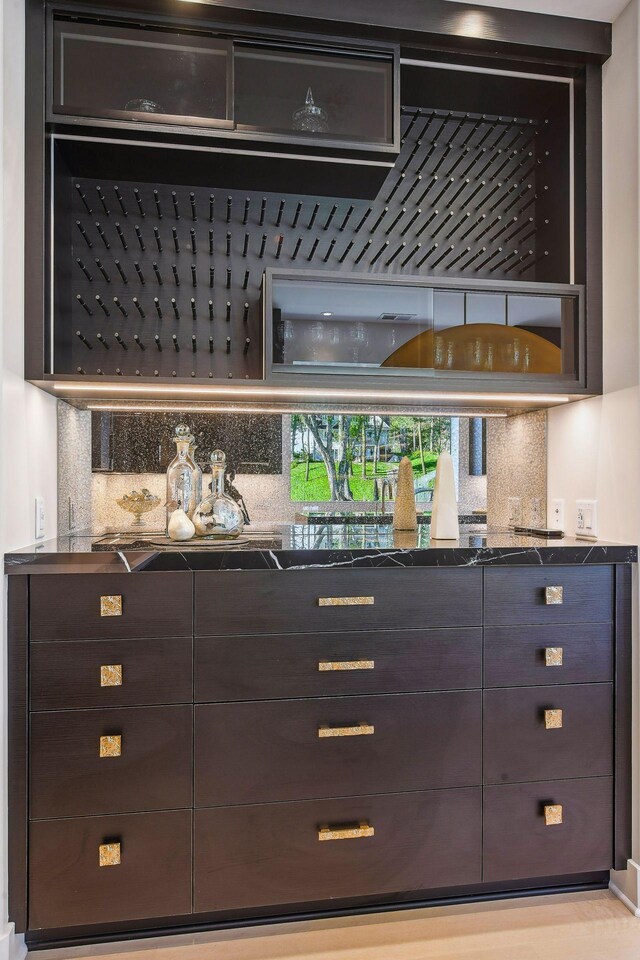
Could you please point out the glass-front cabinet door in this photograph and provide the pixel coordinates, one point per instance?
(316, 324)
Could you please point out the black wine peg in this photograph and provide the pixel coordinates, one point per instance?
(138, 341)
(121, 341)
(329, 250)
(346, 218)
(139, 272)
(426, 256)
(296, 216)
(229, 208)
(245, 282)
(120, 307)
(247, 344)
(364, 250)
(125, 279)
(343, 256)
(263, 209)
(279, 246)
(176, 345)
(176, 276)
(156, 236)
(501, 263)
(156, 198)
(84, 340)
(412, 154)
(490, 127)
(445, 187)
(119, 371)
(174, 201)
(136, 194)
(362, 220)
(228, 280)
(263, 244)
(377, 256)
(80, 370)
(463, 185)
(396, 185)
(139, 236)
(212, 203)
(445, 156)
(487, 260)
(245, 312)
(473, 258)
(102, 305)
(83, 232)
(476, 191)
(375, 226)
(192, 201)
(211, 246)
(176, 312)
(174, 237)
(467, 140)
(473, 226)
(457, 225)
(445, 223)
(83, 198)
(296, 248)
(410, 255)
(393, 256)
(314, 214)
(116, 190)
(102, 199)
(138, 307)
(505, 130)
(156, 303)
(156, 270)
(103, 341)
(314, 247)
(158, 343)
(410, 222)
(245, 215)
(410, 194)
(211, 314)
(245, 245)
(432, 216)
(192, 235)
(457, 259)
(395, 222)
(491, 193)
(228, 344)
(228, 311)
(436, 263)
(121, 236)
(279, 214)
(524, 237)
(228, 244)
(194, 278)
(412, 123)
(332, 214)
(84, 269)
(425, 160)
(212, 277)
(210, 344)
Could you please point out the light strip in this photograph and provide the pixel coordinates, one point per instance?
(183, 408)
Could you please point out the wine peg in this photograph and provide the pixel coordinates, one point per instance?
(176, 276)
(100, 372)
(103, 341)
(376, 256)
(332, 214)
(279, 246)
(443, 256)
(136, 303)
(411, 125)
(504, 260)
(427, 223)
(121, 236)
(116, 190)
(393, 256)
(501, 136)
(410, 194)
(526, 236)
(229, 208)
(84, 340)
(156, 235)
(476, 191)
(192, 201)
(192, 235)
(102, 199)
(228, 282)
(102, 305)
(494, 223)
(493, 190)
(156, 198)
(176, 312)
(139, 236)
(345, 252)
(432, 149)
(228, 244)
(457, 259)
(473, 226)
(329, 250)
(441, 226)
(426, 256)
(395, 222)
(445, 155)
(456, 130)
(409, 159)
(119, 371)
(314, 247)
(474, 129)
(488, 259)
(125, 279)
(80, 370)
(174, 237)
(194, 343)
(379, 220)
(83, 198)
(176, 345)
(139, 272)
(280, 212)
(103, 235)
(211, 316)
(410, 256)
(120, 307)
(247, 344)
(156, 340)
(263, 210)
(296, 216)
(83, 232)
(194, 278)
(211, 247)
(212, 277)
(210, 344)
(174, 201)
(362, 220)
(473, 258)
(228, 344)
(488, 132)
(313, 216)
(136, 194)
(138, 374)
(228, 311)
(212, 201)
(445, 187)
(463, 184)
(156, 303)
(245, 282)
(139, 342)
(518, 229)
(398, 182)
(364, 250)
(263, 244)
(120, 341)
(245, 312)
(445, 120)
(457, 225)
(410, 222)
(84, 269)
(156, 270)
(467, 170)
(245, 215)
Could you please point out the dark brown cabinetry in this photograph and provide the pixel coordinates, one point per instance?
(222, 745)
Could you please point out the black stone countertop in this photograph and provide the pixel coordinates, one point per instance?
(298, 547)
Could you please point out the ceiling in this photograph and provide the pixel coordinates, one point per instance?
(584, 9)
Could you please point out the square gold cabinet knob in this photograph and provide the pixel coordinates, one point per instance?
(111, 675)
(109, 855)
(553, 595)
(552, 814)
(111, 606)
(553, 656)
(111, 745)
(553, 719)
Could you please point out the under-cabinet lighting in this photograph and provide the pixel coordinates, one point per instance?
(159, 407)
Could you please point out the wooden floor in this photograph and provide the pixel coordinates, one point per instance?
(580, 926)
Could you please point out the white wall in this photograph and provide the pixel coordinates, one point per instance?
(594, 445)
(27, 416)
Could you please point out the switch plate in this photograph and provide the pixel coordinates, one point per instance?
(515, 511)
(556, 520)
(587, 518)
(39, 518)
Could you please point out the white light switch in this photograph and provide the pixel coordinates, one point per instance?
(39, 518)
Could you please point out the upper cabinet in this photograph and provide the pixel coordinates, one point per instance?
(302, 95)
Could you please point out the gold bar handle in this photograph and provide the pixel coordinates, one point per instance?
(111, 745)
(356, 730)
(109, 855)
(552, 814)
(111, 606)
(326, 666)
(345, 601)
(553, 719)
(111, 675)
(553, 656)
(346, 833)
(553, 595)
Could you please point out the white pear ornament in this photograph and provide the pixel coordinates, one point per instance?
(180, 527)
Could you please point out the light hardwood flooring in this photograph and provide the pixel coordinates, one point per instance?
(579, 926)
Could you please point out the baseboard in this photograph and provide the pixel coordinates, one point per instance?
(625, 884)
(12, 945)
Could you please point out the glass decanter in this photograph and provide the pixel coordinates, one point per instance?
(198, 470)
(182, 476)
(218, 515)
(310, 118)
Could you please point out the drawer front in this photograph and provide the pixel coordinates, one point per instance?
(518, 595)
(523, 742)
(522, 656)
(70, 778)
(111, 606)
(270, 854)
(331, 664)
(519, 843)
(111, 673)
(68, 887)
(322, 601)
(280, 750)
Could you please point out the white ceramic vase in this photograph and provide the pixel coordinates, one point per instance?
(444, 518)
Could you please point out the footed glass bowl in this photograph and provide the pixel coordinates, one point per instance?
(138, 502)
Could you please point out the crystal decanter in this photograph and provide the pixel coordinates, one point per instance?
(311, 118)
(218, 515)
(184, 478)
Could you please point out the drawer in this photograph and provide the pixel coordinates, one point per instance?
(323, 601)
(111, 673)
(519, 843)
(69, 777)
(279, 750)
(110, 606)
(518, 594)
(68, 887)
(331, 664)
(258, 855)
(518, 744)
(562, 653)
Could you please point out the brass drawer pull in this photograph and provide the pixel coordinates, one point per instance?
(345, 601)
(553, 719)
(111, 606)
(111, 745)
(357, 730)
(346, 833)
(553, 595)
(109, 855)
(325, 666)
(552, 814)
(111, 675)
(553, 656)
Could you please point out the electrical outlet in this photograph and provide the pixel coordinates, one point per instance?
(39, 518)
(515, 511)
(587, 518)
(556, 520)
